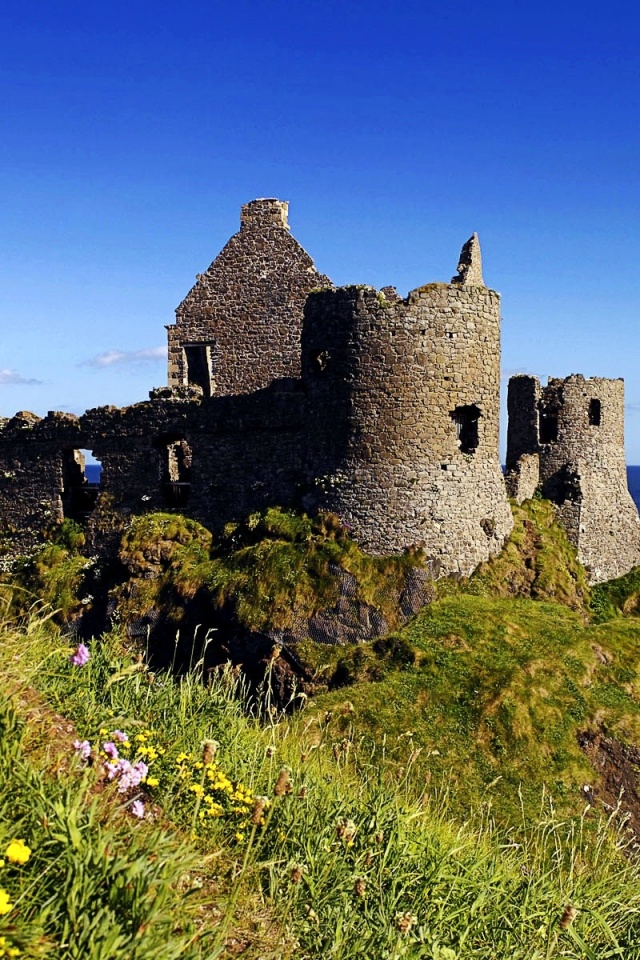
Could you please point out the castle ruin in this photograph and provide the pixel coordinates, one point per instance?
(283, 390)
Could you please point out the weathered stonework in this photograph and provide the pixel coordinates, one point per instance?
(567, 440)
(238, 328)
(403, 416)
(284, 391)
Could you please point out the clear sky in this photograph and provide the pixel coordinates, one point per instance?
(132, 133)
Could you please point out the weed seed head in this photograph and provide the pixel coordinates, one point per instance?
(346, 830)
(259, 807)
(209, 750)
(404, 921)
(283, 783)
(568, 916)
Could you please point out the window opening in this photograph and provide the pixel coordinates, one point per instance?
(466, 421)
(175, 472)
(548, 426)
(81, 482)
(595, 412)
(198, 359)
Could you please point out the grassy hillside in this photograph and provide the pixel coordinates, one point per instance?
(497, 696)
(271, 840)
(363, 825)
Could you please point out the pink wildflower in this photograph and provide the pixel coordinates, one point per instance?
(111, 750)
(141, 768)
(120, 736)
(83, 747)
(81, 656)
(137, 809)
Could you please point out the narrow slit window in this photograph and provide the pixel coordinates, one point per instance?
(595, 412)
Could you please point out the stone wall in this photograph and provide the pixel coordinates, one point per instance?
(403, 417)
(238, 329)
(574, 429)
(215, 461)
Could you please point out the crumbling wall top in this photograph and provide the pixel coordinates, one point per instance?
(265, 212)
(470, 264)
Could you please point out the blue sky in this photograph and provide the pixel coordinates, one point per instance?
(132, 133)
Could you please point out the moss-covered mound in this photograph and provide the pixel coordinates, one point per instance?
(54, 577)
(280, 575)
(537, 562)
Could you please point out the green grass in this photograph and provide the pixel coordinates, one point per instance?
(498, 694)
(92, 887)
(357, 858)
(616, 598)
(431, 807)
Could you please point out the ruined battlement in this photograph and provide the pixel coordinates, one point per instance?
(567, 440)
(283, 390)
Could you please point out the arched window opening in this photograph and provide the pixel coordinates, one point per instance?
(175, 472)
(595, 412)
(81, 482)
(466, 419)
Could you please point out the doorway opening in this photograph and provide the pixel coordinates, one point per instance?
(198, 367)
(81, 483)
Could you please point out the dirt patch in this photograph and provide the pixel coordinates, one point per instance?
(618, 767)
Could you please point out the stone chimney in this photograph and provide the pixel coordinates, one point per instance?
(470, 264)
(265, 213)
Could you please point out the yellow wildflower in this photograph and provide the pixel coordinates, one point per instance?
(152, 781)
(5, 905)
(6, 950)
(17, 852)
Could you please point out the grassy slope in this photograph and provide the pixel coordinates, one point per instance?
(354, 862)
(502, 683)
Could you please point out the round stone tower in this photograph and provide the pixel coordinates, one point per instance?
(403, 415)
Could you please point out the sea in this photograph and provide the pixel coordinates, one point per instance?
(633, 479)
(93, 471)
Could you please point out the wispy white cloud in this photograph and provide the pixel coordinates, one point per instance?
(113, 358)
(10, 377)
